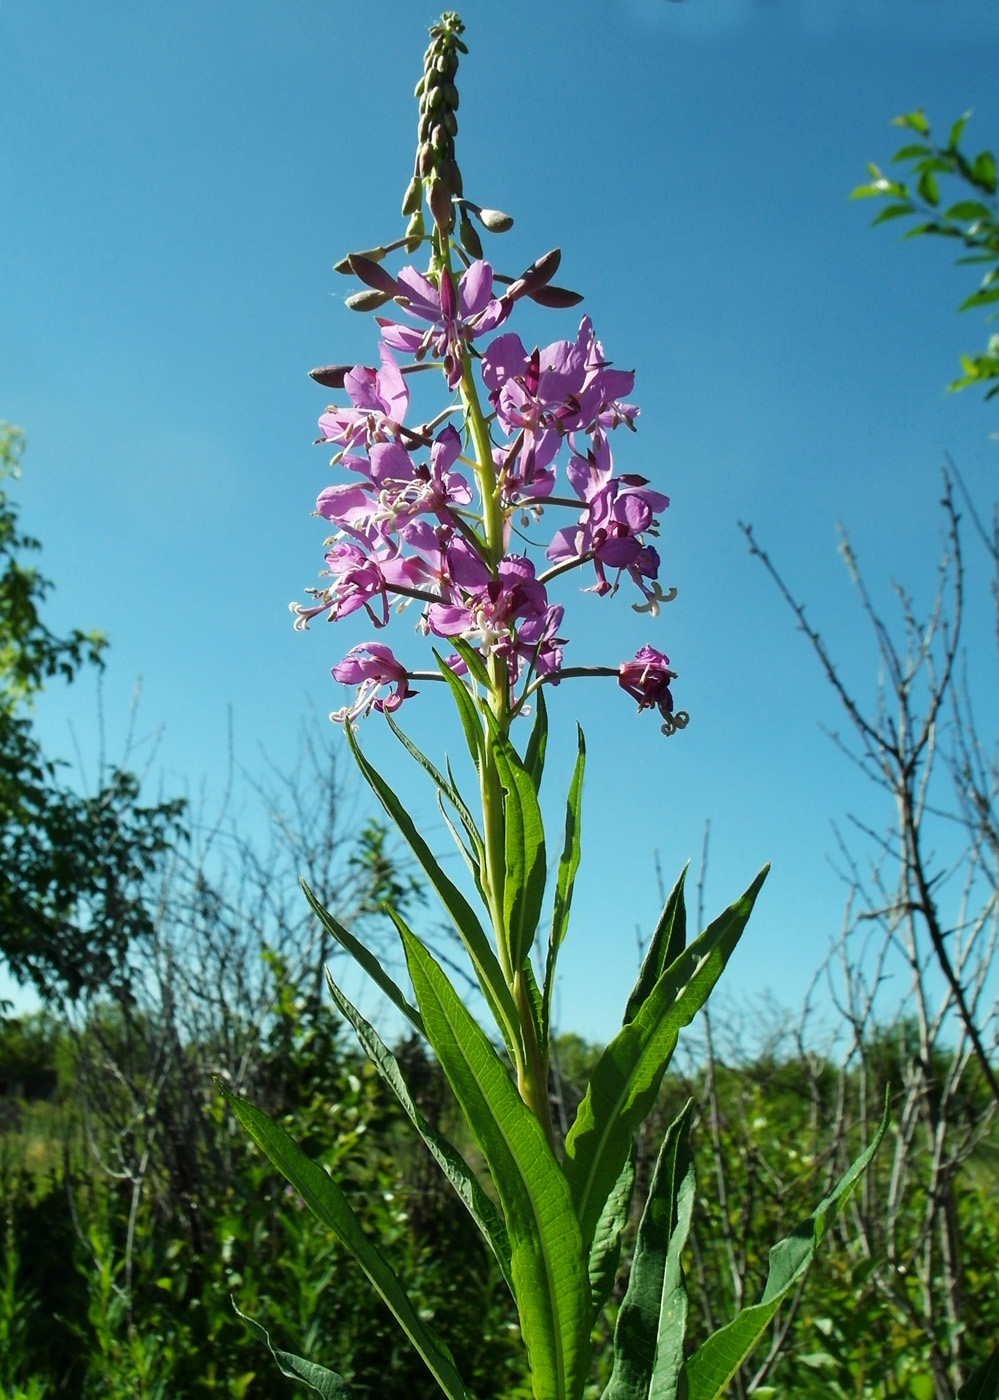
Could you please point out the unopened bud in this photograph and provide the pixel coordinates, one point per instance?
(425, 160)
(331, 376)
(415, 230)
(413, 197)
(451, 175)
(451, 124)
(441, 206)
(538, 275)
(367, 301)
(438, 139)
(470, 240)
(450, 96)
(418, 90)
(372, 274)
(494, 220)
(557, 297)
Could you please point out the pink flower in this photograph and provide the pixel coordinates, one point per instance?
(369, 666)
(646, 679)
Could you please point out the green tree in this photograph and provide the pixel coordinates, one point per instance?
(73, 868)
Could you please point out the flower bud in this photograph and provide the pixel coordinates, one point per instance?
(413, 197)
(372, 274)
(494, 220)
(420, 86)
(331, 376)
(557, 297)
(425, 160)
(415, 230)
(470, 240)
(450, 96)
(451, 175)
(367, 301)
(538, 275)
(451, 124)
(441, 206)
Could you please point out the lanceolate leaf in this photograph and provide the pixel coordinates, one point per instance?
(327, 1202)
(468, 711)
(629, 1072)
(365, 959)
(565, 879)
(648, 1337)
(325, 1383)
(487, 968)
(716, 1361)
(534, 757)
(605, 1251)
(549, 1275)
(668, 942)
(524, 882)
(448, 1158)
(445, 786)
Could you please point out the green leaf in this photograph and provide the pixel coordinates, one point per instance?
(983, 172)
(652, 1322)
(983, 1383)
(448, 1158)
(893, 211)
(534, 757)
(911, 152)
(969, 209)
(915, 121)
(484, 961)
(445, 786)
(716, 1361)
(524, 851)
(626, 1079)
(329, 1205)
(468, 711)
(550, 1283)
(605, 1251)
(365, 960)
(667, 943)
(928, 188)
(472, 659)
(325, 1383)
(957, 131)
(980, 298)
(565, 879)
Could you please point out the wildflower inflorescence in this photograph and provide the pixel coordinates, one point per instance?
(428, 514)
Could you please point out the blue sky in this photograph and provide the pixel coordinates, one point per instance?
(177, 182)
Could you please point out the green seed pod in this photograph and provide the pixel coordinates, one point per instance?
(470, 240)
(494, 220)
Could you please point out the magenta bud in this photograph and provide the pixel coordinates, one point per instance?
(494, 220)
(451, 175)
(538, 275)
(557, 297)
(367, 301)
(441, 206)
(425, 160)
(372, 274)
(331, 376)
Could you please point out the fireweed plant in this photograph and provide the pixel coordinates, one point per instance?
(434, 520)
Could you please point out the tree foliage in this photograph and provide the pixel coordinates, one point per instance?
(73, 867)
